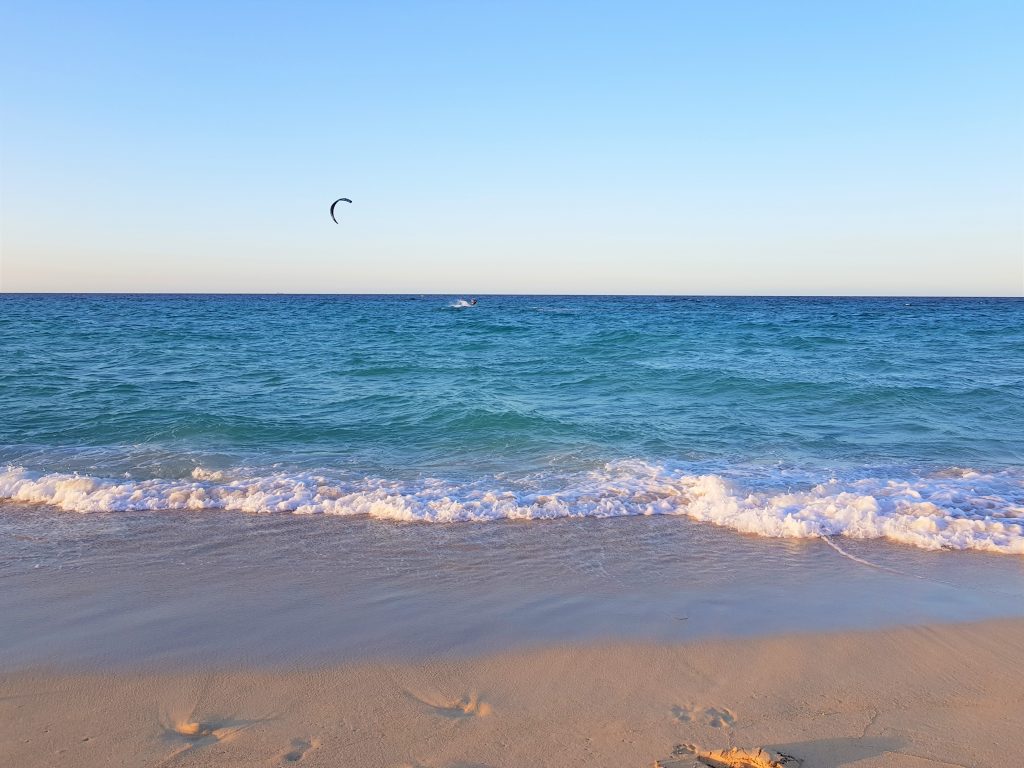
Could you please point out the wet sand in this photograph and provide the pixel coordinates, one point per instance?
(225, 588)
(914, 697)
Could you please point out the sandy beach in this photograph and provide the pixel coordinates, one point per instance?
(512, 385)
(946, 695)
(170, 640)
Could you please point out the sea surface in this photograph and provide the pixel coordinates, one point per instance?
(354, 435)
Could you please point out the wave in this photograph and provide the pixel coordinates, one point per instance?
(959, 509)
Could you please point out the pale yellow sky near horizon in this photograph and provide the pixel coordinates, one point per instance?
(854, 267)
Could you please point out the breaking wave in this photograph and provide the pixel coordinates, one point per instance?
(955, 509)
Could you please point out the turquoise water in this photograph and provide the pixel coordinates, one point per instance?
(895, 419)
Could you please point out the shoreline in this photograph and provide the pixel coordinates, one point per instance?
(911, 696)
(214, 589)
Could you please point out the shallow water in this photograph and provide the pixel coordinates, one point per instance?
(194, 588)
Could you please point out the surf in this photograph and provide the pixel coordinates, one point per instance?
(953, 509)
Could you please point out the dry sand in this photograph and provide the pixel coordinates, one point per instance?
(917, 697)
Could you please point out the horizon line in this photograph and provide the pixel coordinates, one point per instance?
(568, 295)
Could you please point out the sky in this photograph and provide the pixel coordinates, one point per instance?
(573, 147)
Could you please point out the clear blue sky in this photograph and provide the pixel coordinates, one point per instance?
(678, 147)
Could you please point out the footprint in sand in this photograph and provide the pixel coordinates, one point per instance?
(299, 749)
(716, 717)
(467, 706)
(192, 734)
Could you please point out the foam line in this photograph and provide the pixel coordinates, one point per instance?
(954, 509)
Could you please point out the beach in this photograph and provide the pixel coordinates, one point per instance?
(539, 531)
(196, 640)
(511, 385)
(917, 696)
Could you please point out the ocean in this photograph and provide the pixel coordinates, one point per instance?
(900, 419)
(387, 440)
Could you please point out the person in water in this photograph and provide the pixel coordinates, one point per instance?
(472, 302)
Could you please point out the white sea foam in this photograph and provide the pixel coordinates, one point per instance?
(954, 509)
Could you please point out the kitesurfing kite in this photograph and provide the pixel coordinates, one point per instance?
(339, 200)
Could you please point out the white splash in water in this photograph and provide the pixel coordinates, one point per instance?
(954, 509)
